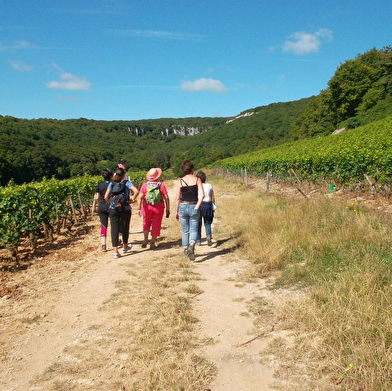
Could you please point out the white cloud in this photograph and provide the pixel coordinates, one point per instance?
(24, 44)
(21, 66)
(69, 82)
(204, 84)
(18, 45)
(159, 34)
(302, 43)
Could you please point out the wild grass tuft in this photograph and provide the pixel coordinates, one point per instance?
(339, 252)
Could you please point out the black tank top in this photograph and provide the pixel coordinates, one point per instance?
(189, 193)
(101, 189)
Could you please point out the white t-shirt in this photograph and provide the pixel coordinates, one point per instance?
(207, 187)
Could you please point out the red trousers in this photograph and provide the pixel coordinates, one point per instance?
(152, 218)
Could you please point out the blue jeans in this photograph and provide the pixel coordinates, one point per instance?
(207, 226)
(189, 219)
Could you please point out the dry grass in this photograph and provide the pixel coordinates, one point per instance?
(338, 252)
(161, 355)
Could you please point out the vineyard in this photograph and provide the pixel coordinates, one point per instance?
(342, 159)
(34, 209)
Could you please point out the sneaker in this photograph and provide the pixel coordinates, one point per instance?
(103, 248)
(129, 246)
(209, 241)
(186, 252)
(144, 244)
(117, 255)
(191, 252)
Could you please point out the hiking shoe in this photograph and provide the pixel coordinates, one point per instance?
(116, 255)
(186, 252)
(144, 244)
(191, 252)
(129, 246)
(209, 241)
(103, 248)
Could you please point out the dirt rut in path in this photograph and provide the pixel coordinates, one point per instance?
(225, 319)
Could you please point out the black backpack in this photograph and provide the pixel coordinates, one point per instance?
(118, 198)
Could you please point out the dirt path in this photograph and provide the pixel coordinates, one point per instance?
(222, 311)
(55, 308)
(60, 303)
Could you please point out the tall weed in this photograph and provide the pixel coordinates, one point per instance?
(341, 253)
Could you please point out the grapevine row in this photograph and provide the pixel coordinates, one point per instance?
(341, 159)
(26, 210)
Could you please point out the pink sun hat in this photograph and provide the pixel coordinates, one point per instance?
(153, 174)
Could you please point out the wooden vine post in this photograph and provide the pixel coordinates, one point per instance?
(268, 180)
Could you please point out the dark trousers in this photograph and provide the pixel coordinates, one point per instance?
(103, 214)
(119, 222)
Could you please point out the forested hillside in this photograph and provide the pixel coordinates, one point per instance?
(33, 149)
(358, 93)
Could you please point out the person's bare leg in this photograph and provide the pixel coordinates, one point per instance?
(153, 242)
(145, 240)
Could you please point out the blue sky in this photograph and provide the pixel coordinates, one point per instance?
(142, 59)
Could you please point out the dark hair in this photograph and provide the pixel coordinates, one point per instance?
(119, 175)
(107, 174)
(202, 176)
(187, 167)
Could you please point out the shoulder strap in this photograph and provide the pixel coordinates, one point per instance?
(158, 184)
(197, 181)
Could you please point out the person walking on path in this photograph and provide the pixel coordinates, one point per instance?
(153, 199)
(121, 163)
(120, 216)
(103, 207)
(189, 196)
(206, 208)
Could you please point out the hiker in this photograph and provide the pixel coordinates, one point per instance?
(102, 207)
(152, 202)
(123, 164)
(120, 216)
(189, 196)
(207, 208)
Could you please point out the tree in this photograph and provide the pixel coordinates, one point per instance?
(351, 82)
(317, 119)
(386, 69)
